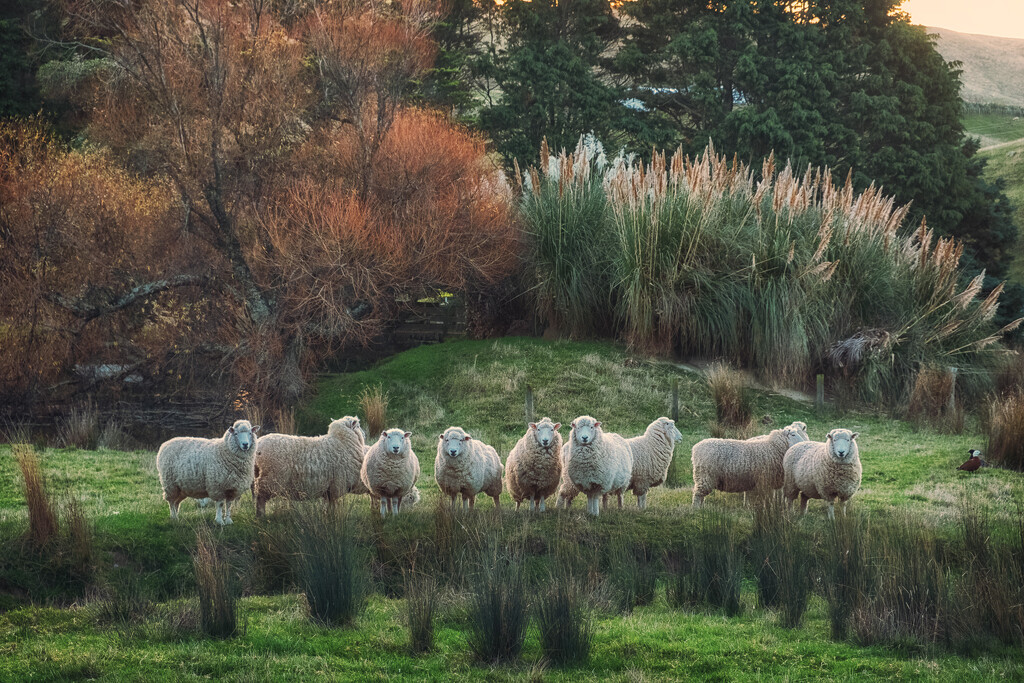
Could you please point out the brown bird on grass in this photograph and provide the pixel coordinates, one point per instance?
(973, 462)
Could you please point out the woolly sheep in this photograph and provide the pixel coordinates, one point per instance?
(599, 463)
(652, 455)
(390, 468)
(829, 470)
(304, 467)
(466, 466)
(218, 469)
(732, 465)
(534, 466)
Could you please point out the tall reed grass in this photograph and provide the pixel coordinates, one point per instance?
(328, 564)
(499, 607)
(782, 272)
(218, 592)
(1006, 430)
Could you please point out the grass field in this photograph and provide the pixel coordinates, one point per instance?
(479, 385)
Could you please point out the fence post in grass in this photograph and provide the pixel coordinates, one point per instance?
(529, 404)
(951, 402)
(819, 397)
(675, 399)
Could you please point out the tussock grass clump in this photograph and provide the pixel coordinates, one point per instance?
(1006, 431)
(706, 570)
(633, 574)
(80, 428)
(845, 570)
(734, 406)
(42, 512)
(373, 401)
(328, 564)
(218, 593)
(114, 437)
(124, 602)
(781, 556)
(773, 270)
(564, 620)
(499, 607)
(933, 401)
(420, 606)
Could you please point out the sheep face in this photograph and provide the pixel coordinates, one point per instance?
(585, 430)
(544, 432)
(243, 434)
(395, 441)
(840, 444)
(454, 441)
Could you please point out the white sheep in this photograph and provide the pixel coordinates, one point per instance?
(218, 469)
(599, 463)
(466, 466)
(534, 465)
(390, 468)
(652, 455)
(304, 467)
(732, 465)
(829, 470)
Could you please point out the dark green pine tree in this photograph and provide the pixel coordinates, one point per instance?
(540, 76)
(447, 86)
(19, 94)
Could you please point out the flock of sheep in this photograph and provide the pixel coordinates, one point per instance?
(594, 462)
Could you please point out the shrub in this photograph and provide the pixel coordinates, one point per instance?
(498, 609)
(564, 621)
(328, 564)
(373, 401)
(777, 272)
(1006, 431)
(218, 597)
(420, 603)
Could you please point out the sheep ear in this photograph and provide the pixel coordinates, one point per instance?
(231, 430)
(558, 425)
(572, 425)
(440, 436)
(828, 437)
(855, 435)
(533, 425)
(255, 429)
(468, 438)
(383, 435)
(408, 434)
(597, 424)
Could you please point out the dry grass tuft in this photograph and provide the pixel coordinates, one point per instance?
(42, 513)
(1006, 431)
(374, 404)
(933, 400)
(734, 408)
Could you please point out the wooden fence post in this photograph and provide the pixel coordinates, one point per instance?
(819, 398)
(675, 399)
(951, 401)
(529, 404)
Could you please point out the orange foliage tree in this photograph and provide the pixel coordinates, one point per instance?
(268, 195)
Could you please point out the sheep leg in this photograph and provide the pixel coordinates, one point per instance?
(384, 504)
(518, 503)
(465, 502)
(541, 505)
(203, 502)
(220, 514)
(604, 501)
(641, 501)
(497, 502)
(831, 508)
(398, 504)
(227, 511)
(620, 500)
(454, 497)
(472, 502)
(594, 505)
(803, 503)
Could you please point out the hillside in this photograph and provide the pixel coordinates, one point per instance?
(993, 68)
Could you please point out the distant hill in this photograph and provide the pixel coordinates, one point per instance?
(993, 68)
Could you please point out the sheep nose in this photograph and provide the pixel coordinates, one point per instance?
(544, 442)
(453, 453)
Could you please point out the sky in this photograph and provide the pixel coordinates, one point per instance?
(989, 17)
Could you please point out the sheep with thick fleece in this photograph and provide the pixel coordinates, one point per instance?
(599, 463)
(652, 455)
(830, 470)
(534, 465)
(390, 468)
(306, 467)
(733, 465)
(218, 469)
(466, 466)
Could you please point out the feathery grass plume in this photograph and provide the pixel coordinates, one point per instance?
(373, 401)
(498, 609)
(420, 606)
(42, 513)
(781, 273)
(845, 570)
(328, 563)
(218, 594)
(1006, 431)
